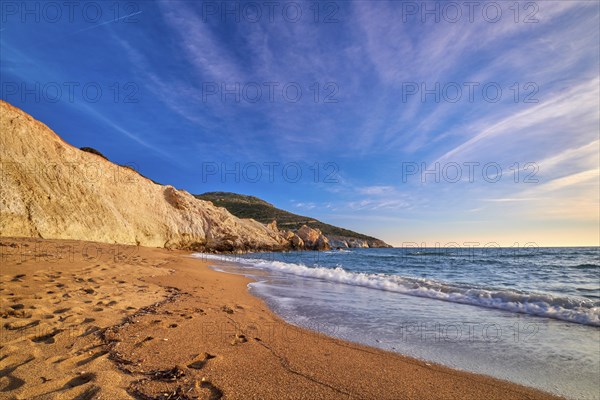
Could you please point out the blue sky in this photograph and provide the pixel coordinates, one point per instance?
(500, 103)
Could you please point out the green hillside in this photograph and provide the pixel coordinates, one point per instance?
(243, 206)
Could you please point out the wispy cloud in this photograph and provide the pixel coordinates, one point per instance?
(570, 180)
(211, 59)
(574, 109)
(376, 190)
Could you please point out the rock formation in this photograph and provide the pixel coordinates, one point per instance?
(313, 238)
(51, 189)
(345, 242)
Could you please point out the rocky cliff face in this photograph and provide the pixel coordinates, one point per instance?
(313, 238)
(51, 189)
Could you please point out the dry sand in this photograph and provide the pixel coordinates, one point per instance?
(84, 320)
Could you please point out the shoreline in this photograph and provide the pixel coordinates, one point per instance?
(116, 321)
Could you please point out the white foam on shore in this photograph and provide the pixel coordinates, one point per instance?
(570, 309)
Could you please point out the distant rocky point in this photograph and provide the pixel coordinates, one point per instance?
(53, 190)
(244, 206)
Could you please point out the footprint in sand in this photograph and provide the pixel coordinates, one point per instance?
(89, 330)
(91, 357)
(88, 394)
(79, 380)
(47, 338)
(239, 338)
(19, 313)
(215, 392)
(72, 319)
(144, 341)
(56, 360)
(13, 382)
(200, 361)
(227, 309)
(18, 326)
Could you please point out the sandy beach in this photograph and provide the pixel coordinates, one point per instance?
(84, 320)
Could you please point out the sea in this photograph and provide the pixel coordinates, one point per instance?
(526, 315)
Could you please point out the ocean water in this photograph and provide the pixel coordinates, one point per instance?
(528, 315)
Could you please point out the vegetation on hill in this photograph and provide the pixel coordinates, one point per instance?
(243, 206)
(93, 151)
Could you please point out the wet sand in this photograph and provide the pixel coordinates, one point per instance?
(86, 320)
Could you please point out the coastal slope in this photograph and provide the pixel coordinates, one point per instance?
(53, 190)
(244, 206)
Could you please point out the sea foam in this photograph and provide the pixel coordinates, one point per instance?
(566, 308)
